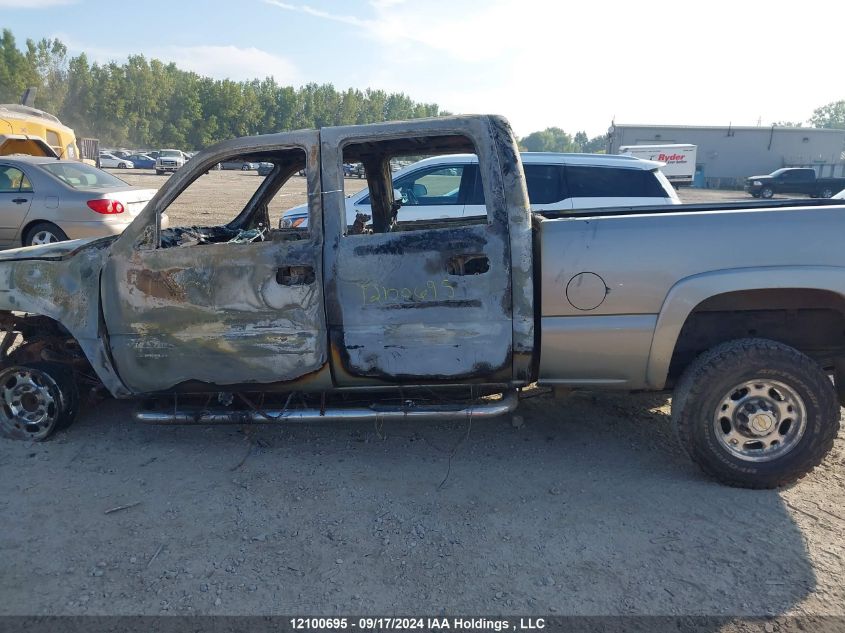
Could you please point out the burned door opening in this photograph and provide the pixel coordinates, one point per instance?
(414, 301)
(231, 305)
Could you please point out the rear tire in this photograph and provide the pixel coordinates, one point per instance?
(826, 193)
(43, 233)
(36, 400)
(755, 413)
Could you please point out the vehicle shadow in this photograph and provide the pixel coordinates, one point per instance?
(590, 508)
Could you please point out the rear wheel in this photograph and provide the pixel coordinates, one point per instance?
(43, 233)
(827, 192)
(36, 400)
(755, 413)
(244, 167)
(767, 192)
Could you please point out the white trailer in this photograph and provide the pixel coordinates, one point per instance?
(678, 159)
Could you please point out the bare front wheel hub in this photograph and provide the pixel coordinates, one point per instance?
(30, 403)
(760, 420)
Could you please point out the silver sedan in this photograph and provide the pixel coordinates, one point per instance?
(44, 200)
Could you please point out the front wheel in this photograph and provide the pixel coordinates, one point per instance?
(755, 413)
(767, 192)
(36, 400)
(121, 165)
(244, 167)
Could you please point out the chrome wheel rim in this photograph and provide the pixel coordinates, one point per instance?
(44, 237)
(760, 420)
(29, 403)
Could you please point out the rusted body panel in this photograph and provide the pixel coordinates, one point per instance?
(214, 313)
(401, 307)
(67, 291)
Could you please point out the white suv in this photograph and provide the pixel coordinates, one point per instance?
(448, 186)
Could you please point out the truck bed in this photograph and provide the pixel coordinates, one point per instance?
(606, 276)
(688, 208)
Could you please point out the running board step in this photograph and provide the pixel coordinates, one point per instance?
(197, 415)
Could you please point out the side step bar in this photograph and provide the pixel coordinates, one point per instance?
(196, 415)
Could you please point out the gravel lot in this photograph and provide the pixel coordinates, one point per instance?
(589, 508)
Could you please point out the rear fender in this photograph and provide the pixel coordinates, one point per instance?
(688, 293)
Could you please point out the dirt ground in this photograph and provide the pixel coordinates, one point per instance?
(590, 508)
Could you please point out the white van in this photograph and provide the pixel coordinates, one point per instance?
(448, 186)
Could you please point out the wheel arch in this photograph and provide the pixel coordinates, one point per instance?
(66, 292)
(689, 293)
(29, 223)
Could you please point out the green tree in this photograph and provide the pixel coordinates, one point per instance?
(552, 139)
(831, 115)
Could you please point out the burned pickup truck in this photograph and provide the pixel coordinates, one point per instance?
(740, 310)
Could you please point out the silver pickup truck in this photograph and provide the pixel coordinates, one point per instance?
(740, 309)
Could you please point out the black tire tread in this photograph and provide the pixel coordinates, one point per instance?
(705, 369)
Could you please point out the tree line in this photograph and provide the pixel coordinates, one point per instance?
(150, 103)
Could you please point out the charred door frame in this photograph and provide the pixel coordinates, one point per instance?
(140, 244)
(508, 210)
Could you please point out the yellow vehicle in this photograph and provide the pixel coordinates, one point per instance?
(25, 130)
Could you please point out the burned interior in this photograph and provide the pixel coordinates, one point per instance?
(252, 222)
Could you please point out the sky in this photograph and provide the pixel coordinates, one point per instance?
(575, 65)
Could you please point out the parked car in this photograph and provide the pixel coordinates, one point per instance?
(243, 165)
(110, 160)
(443, 319)
(793, 180)
(169, 160)
(142, 161)
(265, 168)
(44, 200)
(555, 182)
